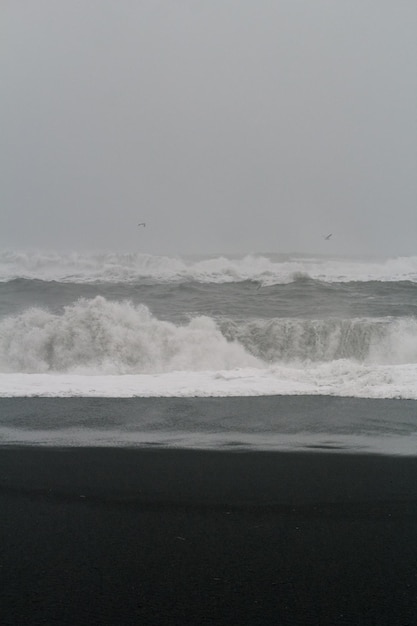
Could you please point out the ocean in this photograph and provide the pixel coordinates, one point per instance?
(266, 350)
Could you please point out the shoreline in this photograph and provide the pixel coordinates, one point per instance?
(162, 536)
(268, 424)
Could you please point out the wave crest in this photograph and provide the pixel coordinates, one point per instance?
(383, 341)
(111, 337)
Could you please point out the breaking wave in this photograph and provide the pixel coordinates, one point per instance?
(370, 340)
(100, 336)
(132, 267)
(93, 336)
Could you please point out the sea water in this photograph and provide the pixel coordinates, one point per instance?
(119, 325)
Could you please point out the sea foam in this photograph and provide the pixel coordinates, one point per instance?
(342, 378)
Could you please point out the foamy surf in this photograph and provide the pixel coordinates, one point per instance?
(201, 327)
(101, 348)
(343, 378)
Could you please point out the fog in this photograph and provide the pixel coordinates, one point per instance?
(225, 125)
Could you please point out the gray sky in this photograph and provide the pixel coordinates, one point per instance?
(226, 125)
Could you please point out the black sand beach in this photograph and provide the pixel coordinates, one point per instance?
(135, 536)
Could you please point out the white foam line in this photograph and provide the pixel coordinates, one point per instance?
(334, 379)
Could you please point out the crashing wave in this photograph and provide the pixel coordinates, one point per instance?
(102, 336)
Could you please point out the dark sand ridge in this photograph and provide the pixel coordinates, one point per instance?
(124, 536)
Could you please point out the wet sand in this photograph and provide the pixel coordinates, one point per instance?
(153, 536)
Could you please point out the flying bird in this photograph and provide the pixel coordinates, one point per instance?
(142, 224)
(327, 237)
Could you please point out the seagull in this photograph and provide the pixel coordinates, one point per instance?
(142, 224)
(327, 237)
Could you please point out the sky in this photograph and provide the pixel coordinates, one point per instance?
(226, 125)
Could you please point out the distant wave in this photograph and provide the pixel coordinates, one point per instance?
(266, 270)
(99, 336)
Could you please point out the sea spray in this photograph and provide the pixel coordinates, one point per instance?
(113, 337)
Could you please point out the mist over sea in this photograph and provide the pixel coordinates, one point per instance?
(140, 326)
